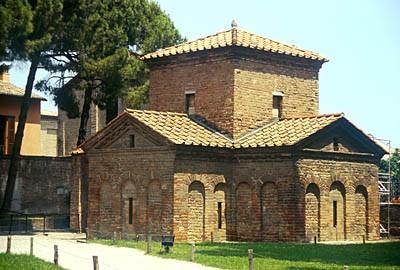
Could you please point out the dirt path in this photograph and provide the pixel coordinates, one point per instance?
(78, 256)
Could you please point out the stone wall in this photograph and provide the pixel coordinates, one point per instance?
(43, 185)
(48, 135)
(352, 186)
(67, 135)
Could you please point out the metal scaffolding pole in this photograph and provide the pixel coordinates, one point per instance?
(385, 186)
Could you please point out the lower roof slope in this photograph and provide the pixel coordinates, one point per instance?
(180, 129)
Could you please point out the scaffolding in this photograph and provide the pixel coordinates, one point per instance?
(385, 190)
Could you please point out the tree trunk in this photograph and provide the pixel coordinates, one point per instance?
(85, 115)
(15, 155)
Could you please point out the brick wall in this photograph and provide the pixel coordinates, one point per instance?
(238, 186)
(234, 86)
(198, 187)
(38, 180)
(211, 78)
(272, 198)
(145, 175)
(354, 186)
(256, 78)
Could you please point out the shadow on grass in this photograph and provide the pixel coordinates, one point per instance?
(377, 254)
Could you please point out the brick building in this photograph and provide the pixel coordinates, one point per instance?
(231, 148)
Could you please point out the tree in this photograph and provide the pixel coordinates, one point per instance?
(89, 39)
(28, 28)
(100, 57)
(394, 161)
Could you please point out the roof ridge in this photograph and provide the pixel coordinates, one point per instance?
(254, 131)
(279, 42)
(216, 132)
(155, 112)
(235, 40)
(188, 42)
(315, 116)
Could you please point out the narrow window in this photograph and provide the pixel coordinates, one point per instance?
(130, 211)
(7, 134)
(335, 144)
(190, 98)
(219, 215)
(132, 141)
(334, 214)
(277, 106)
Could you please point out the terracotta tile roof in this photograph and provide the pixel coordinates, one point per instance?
(9, 89)
(286, 131)
(235, 37)
(180, 129)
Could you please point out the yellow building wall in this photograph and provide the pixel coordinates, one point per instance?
(10, 106)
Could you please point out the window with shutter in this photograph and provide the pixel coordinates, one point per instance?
(7, 134)
(10, 129)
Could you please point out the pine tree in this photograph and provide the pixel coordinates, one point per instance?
(89, 41)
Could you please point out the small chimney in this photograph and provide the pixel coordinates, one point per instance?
(4, 75)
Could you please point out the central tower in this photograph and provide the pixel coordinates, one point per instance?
(235, 81)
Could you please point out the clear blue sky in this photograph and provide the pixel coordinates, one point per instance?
(361, 39)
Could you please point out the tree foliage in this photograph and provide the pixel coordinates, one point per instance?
(394, 161)
(87, 40)
(97, 48)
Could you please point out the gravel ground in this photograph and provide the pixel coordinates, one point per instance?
(74, 255)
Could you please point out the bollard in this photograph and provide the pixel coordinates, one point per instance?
(95, 263)
(346, 267)
(363, 239)
(10, 225)
(148, 244)
(8, 244)
(31, 248)
(26, 224)
(87, 234)
(193, 252)
(55, 254)
(251, 265)
(114, 237)
(212, 237)
(44, 224)
(315, 240)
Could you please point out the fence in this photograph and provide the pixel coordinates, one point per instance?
(17, 223)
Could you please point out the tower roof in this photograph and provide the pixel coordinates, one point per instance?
(235, 37)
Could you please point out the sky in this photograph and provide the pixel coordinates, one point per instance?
(361, 38)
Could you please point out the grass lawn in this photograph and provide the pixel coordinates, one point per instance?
(24, 262)
(280, 255)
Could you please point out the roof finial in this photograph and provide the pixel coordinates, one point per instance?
(234, 24)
